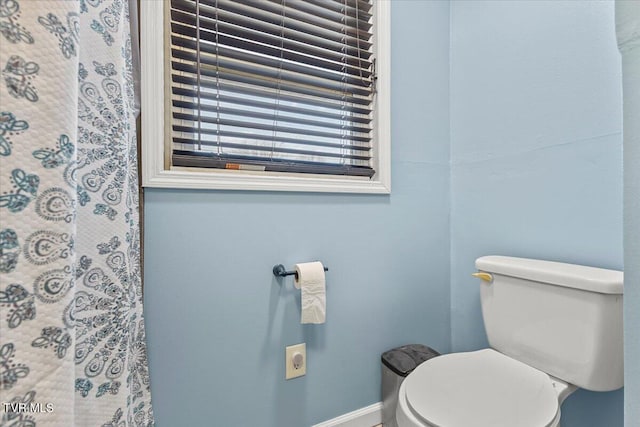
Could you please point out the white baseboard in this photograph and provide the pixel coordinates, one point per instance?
(368, 416)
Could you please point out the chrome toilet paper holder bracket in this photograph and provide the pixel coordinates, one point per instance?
(280, 271)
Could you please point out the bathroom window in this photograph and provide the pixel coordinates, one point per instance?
(286, 95)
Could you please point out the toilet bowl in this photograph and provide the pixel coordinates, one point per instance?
(483, 388)
(552, 328)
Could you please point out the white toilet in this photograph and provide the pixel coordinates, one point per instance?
(552, 328)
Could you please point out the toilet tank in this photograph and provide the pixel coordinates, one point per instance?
(563, 319)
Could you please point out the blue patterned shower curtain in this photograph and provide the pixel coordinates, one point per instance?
(72, 337)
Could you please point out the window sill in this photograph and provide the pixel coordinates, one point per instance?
(251, 181)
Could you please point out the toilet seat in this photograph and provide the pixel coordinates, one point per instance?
(481, 389)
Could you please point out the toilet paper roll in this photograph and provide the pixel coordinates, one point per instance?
(311, 282)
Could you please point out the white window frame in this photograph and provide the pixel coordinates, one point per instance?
(154, 173)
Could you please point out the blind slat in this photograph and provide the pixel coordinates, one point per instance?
(345, 16)
(300, 120)
(273, 127)
(359, 122)
(238, 12)
(256, 136)
(268, 149)
(238, 48)
(270, 81)
(353, 8)
(266, 10)
(363, 113)
(205, 160)
(276, 38)
(274, 85)
(361, 4)
(292, 29)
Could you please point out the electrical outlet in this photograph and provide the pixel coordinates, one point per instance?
(295, 361)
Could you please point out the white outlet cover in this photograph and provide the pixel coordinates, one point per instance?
(290, 370)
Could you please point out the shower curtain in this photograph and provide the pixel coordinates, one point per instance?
(72, 337)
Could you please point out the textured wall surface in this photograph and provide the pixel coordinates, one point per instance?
(628, 32)
(536, 152)
(218, 322)
(506, 128)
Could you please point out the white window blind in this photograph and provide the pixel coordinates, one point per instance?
(274, 85)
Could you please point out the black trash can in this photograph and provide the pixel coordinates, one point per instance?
(397, 363)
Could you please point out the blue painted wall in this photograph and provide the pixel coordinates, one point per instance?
(506, 140)
(217, 321)
(536, 152)
(627, 19)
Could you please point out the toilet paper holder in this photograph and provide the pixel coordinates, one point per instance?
(280, 271)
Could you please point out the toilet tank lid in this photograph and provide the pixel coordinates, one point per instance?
(557, 273)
